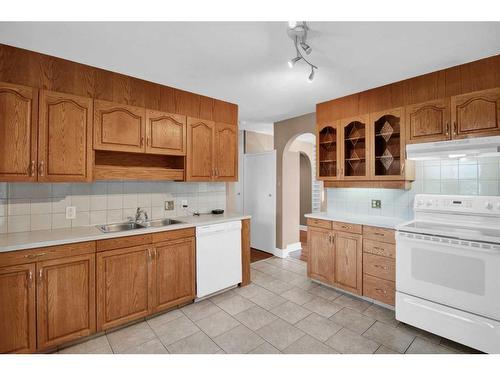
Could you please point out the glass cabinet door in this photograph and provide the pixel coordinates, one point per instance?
(388, 140)
(355, 146)
(327, 152)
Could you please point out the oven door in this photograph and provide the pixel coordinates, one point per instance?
(460, 274)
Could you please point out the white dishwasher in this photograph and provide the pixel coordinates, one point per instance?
(218, 257)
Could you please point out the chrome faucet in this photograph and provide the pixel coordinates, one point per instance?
(139, 213)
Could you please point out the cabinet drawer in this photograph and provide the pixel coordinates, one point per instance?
(378, 266)
(123, 242)
(379, 248)
(379, 234)
(347, 227)
(327, 224)
(381, 290)
(173, 234)
(46, 253)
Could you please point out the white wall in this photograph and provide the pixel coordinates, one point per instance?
(465, 177)
(25, 207)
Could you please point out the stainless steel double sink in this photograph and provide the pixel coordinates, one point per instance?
(131, 225)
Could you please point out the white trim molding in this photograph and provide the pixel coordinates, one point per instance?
(283, 253)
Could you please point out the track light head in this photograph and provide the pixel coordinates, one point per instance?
(292, 24)
(311, 76)
(292, 62)
(306, 47)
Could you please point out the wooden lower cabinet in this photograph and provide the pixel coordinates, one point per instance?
(17, 309)
(174, 269)
(379, 289)
(321, 263)
(348, 261)
(65, 300)
(124, 285)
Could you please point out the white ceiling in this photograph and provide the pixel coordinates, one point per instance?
(246, 62)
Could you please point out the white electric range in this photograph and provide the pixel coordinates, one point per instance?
(448, 269)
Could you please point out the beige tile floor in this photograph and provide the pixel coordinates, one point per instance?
(281, 311)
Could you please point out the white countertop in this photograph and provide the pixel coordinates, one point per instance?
(375, 221)
(43, 238)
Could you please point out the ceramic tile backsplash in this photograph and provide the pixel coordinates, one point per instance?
(465, 177)
(25, 207)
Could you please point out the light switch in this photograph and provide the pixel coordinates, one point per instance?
(71, 212)
(376, 203)
(169, 205)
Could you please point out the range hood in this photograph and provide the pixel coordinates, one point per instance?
(455, 149)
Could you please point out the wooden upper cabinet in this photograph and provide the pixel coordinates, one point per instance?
(349, 261)
(18, 133)
(200, 150)
(226, 152)
(328, 151)
(476, 114)
(64, 137)
(388, 144)
(119, 127)
(17, 309)
(65, 299)
(428, 122)
(165, 133)
(321, 262)
(124, 285)
(354, 148)
(175, 273)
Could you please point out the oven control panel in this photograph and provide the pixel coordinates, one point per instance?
(458, 203)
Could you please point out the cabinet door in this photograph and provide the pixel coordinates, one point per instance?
(388, 144)
(119, 127)
(348, 261)
(17, 309)
(428, 122)
(200, 150)
(321, 254)
(174, 273)
(165, 133)
(476, 114)
(226, 152)
(328, 152)
(354, 148)
(64, 137)
(65, 299)
(18, 106)
(124, 284)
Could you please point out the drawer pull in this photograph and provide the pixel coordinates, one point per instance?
(31, 256)
(380, 266)
(30, 279)
(381, 291)
(379, 234)
(40, 276)
(378, 248)
(345, 227)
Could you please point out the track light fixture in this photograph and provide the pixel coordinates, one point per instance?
(297, 31)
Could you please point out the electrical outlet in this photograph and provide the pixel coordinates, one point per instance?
(184, 203)
(376, 203)
(71, 212)
(169, 205)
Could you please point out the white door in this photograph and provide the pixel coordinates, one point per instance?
(260, 199)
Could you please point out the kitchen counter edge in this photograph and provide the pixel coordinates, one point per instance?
(376, 221)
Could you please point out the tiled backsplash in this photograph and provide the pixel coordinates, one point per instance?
(25, 207)
(466, 177)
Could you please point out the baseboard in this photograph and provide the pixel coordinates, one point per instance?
(283, 253)
(303, 227)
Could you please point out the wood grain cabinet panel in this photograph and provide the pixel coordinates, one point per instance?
(17, 309)
(119, 127)
(328, 151)
(165, 133)
(18, 133)
(200, 150)
(124, 285)
(64, 137)
(226, 152)
(65, 300)
(348, 261)
(476, 114)
(379, 289)
(321, 262)
(355, 146)
(428, 122)
(174, 273)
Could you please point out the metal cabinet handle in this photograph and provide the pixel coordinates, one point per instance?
(447, 128)
(345, 227)
(41, 168)
(381, 290)
(150, 256)
(378, 248)
(40, 275)
(30, 279)
(379, 266)
(32, 168)
(142, 141)
(31, 256)
(378, 234)
(455, 128)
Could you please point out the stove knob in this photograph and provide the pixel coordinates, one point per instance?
(428, 203)
(498, 205)
(421, 202)
(488, 205)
